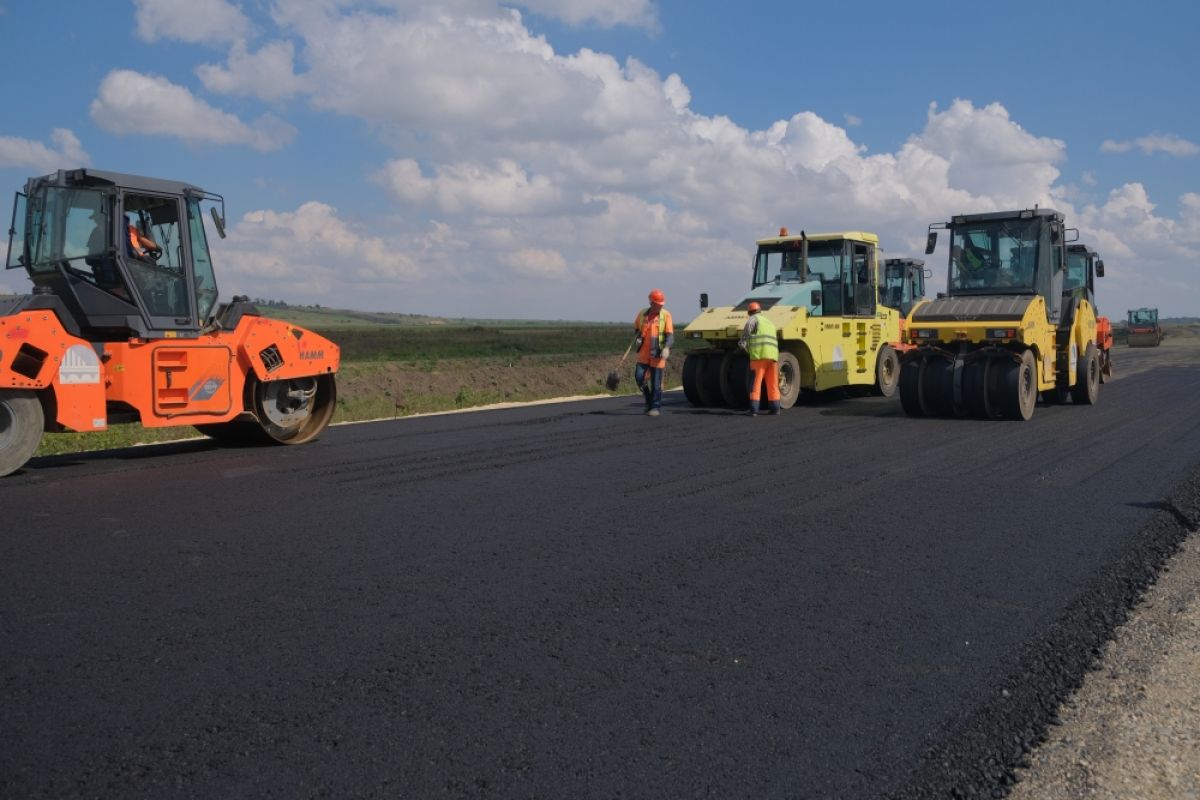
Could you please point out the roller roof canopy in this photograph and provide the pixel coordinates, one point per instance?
(100, 179)
(1029, 213)
(858, 236)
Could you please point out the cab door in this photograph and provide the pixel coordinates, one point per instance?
(159, 277)
(860, 281)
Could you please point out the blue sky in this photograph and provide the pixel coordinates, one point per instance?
(558, 158)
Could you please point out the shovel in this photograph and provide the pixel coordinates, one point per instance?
(614, 378)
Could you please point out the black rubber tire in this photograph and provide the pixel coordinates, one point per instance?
(1018, 387)
(937, 387)
(887, 371)
(1087, 378)
(693, 370)
(735, 379)
(975, 388)
(710, 380)
(910, 386)
(789, 379)
(22, 423)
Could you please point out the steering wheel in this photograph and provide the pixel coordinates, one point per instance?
(155, 253)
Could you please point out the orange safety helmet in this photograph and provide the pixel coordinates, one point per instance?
(657, 297)
(753, 307)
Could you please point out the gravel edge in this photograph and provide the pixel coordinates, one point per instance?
(981, 756)
(1133, 728)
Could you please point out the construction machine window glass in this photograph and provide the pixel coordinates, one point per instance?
(157, 273)
(16, 234)
(996, 257)
(68, 227)
(784, 263)
(903, 283)
(1077, 270)
(206, 281)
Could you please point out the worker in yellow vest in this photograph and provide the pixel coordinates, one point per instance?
(656, 334)
(761, 344)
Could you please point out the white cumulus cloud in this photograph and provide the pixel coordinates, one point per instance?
(991, 155)
(1155, 143)
(1150, 259)
(130, 103)
(504, 188)
(536, 261)
(268, 74)
(307, 255)
(63, 152)
(604, 13)
(201, 21)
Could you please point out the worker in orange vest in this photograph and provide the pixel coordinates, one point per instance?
(656, 334)
(139, 245)
(761, 343)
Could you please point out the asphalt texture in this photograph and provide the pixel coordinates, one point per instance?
(578, 601)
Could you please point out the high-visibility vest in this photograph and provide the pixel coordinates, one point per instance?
(664, 317)
(971, 259)
(762, 343)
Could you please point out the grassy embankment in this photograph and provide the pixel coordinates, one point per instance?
(382, 352)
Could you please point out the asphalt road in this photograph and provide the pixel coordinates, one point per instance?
(577, 601)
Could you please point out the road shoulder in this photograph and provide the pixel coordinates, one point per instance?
(1133, 728)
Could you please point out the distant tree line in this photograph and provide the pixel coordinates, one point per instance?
(261, 301)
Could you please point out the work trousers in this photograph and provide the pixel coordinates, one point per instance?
(764, 369)
(645, 374)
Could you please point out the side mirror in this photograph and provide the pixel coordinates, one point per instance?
(703, 300)
(1100, 269)
(815, 300)
(931, 242)
(217, 221)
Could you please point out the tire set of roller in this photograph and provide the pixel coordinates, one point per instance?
(721, 378)
(992, 384)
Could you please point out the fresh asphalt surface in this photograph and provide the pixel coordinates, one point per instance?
(576, 601)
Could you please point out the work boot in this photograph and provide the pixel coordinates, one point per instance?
(774, 408)
(651, 412)
(753, 412)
